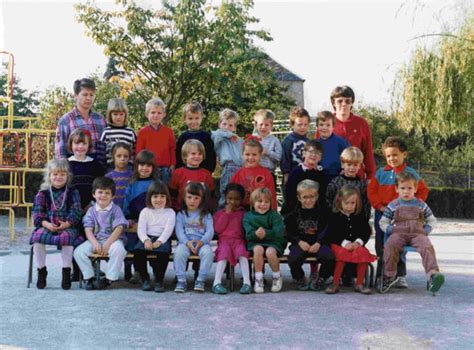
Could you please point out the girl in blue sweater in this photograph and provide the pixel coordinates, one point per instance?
(144, 173)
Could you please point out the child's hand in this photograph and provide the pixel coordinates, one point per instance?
(156, 244)
(49, 226)
(314, 248)
(199, 244)
(260, 233)
(304, 246)
(148, 245)
(105, 248)
(192, 246)
(229, 208)
(63, 225)
(97, 248)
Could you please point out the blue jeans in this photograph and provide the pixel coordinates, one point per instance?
(180, 260)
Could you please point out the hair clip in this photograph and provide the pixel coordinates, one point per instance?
(249, 137)
(86, 132)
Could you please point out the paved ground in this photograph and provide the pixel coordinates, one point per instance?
(126, 317)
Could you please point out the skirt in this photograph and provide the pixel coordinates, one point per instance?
(359, 255)
(163, 248)
(231, 250)
(63, 238)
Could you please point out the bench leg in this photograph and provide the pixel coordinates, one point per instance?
(97, 269)
(369, 275)
(30, 268)
(232, 277)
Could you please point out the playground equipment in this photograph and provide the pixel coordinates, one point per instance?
(18, 135)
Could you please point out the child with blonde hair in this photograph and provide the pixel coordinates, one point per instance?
(348, 232)
(56, 214)
(351, 160)
(228, 147)
(159, 139)
(193, 154)
(264, 231)
(192, 116)
(117, 129)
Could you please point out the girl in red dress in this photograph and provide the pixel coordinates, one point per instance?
(348, 231)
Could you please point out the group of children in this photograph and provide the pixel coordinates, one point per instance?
(170, 190)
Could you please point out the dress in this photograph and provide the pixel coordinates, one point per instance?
(54, 205)
(231, 238)
(83, 174)
(343, 229)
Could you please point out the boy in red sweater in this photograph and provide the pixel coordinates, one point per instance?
(193, 154)
(158, 138)
(382, 190)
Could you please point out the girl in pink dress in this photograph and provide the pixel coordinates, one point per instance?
(231, 245)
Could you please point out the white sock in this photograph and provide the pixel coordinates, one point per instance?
(219, 271)
(259, 275)
(244, 267)
(66, 255)
(39, 251)
(276, 274)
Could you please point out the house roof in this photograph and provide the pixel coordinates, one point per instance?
(282, 73)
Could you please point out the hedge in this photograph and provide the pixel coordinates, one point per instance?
(451, 202)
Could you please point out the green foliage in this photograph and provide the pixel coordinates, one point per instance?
(433, 92)
(53, 103)
(452, 203)
(25, 102)
(186, 50)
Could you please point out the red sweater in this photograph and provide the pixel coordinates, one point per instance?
(357, 132)
(182, 176)
(253, 178)
(161, 142)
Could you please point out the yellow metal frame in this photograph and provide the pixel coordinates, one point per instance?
(16, 187)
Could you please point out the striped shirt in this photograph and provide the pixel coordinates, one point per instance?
(95, 124)
(113, 134)
(272, 148)
(389, 213)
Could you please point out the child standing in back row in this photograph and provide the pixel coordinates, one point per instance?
(293, 144)
(228, 148)
(117, 130)
(159, 139)
(271, 155)
(193, 118)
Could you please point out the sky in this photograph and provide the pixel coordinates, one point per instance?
(328, 43)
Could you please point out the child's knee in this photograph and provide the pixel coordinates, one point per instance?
(258, 250)
(271, 252)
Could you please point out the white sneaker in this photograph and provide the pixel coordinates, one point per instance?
(258, 286)
(277, 283)
(402, 282)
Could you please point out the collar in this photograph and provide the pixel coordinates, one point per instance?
(153, 128)
(116, 127)
(299, 136)
(87, 159)
(191, 168)
(107, 208)
(397, 170)
(76, 114)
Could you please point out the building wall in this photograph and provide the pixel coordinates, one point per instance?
(295, 90)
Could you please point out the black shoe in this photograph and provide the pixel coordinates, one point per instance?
(42, 274)
(90, 284)
(102, 284)
(146, 286)
(128, 271)
(159, 288)
(66, 282)
(387, 283)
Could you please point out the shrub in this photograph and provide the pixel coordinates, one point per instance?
(451, 202)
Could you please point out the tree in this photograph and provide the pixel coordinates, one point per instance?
(25, 102)
(187, 50)
(433, 92)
